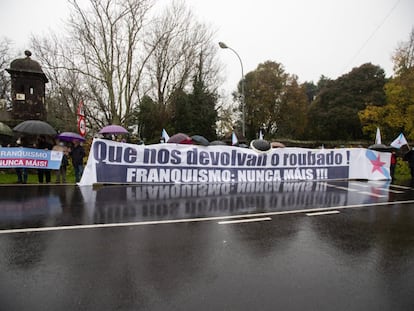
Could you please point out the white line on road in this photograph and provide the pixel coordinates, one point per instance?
(243, 220)
(322, 213)
(401, 187)
(391, 190)
(176, 221)
(341, 188)
(373, 194)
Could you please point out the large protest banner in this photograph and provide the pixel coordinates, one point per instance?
(114, 162)
(12, 157)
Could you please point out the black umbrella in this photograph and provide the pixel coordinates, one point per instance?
(200, 140)
(218, 143)
(381, 147)
(34, 127)
(260, 145)
(5, 130)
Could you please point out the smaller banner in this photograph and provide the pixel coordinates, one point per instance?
(30, 158)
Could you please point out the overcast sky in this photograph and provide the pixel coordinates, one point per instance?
(309, 37)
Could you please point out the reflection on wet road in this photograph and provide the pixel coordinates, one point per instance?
(343, 245)
(67, 206)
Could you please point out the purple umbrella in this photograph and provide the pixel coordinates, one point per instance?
(113, 129)
(69, 136)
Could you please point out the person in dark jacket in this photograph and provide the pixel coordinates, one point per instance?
(21, 171)
(77, 154)
(409, 157)
(42, 143)
(393, 164)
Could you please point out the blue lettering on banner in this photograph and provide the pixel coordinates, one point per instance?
(113, 162)
(113, 173)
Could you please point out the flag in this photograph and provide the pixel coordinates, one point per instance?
(378, 137)
(234, 140)
(260, 135)
(399, 141)
(165, 135)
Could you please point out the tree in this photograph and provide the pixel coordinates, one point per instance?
(263, 98)
(181, 49)
(398, 114)
(195, 112)
(101, 51)
(5, 82)
(334, 113)
(403, 57)
(203, 104)
(294, 110)
(145, 118)
(273, 100)
(116, 53)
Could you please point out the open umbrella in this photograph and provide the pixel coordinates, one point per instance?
(276, 144)
(113, 129)
(200, 140)
(69, 136)
(180, 138)
(260, 145)
(34, 127)
(381, 147)
(218, 143)
(5, 130)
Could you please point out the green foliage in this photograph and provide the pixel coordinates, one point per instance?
(182, 114)
(190, 113)
(8, 176)
(204, 116)
(275, 102)
(398, 113)
(149, 119)
(195, 113)
(335, 112)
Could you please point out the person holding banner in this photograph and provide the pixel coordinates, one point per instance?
(42, 143)
(77, 154)
(61, 172)
(21, 172)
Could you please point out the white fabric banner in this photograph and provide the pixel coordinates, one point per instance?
(115, 162)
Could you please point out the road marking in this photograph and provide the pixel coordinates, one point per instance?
(380, 187)
(322, 213)
(243, 220)
(391, 190)
(393, 185)
(401, 187)
(374, 194)
(341, 188)
(177, 221)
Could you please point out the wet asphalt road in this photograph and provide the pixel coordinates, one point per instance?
(333, 245)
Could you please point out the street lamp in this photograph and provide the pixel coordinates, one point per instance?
(224, 46)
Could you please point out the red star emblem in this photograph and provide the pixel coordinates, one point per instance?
(377, 164)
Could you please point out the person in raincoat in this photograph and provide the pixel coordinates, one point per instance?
(42, 173)
(61, 172)
(77, 153)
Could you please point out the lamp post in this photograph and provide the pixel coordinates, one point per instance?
(224, 46)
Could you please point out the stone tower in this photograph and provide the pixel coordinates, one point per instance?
(27, 89)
